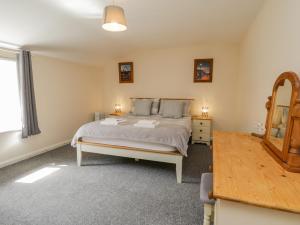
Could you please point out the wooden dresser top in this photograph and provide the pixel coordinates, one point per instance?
(244, 172)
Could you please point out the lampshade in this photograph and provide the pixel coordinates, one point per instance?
(114, 19)
(204, 111)
(117, 108)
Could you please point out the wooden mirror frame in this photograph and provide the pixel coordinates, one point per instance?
(289, 157)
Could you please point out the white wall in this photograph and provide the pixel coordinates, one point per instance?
(169, 73)
(271, 46)
(67, 94)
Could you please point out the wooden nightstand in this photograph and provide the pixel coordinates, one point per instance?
(201, 129)
(117, 114)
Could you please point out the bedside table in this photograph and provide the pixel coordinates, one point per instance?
(117, 114)
(201, 129)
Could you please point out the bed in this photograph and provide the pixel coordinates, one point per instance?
(167, 142)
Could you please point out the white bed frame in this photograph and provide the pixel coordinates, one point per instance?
(130, 152)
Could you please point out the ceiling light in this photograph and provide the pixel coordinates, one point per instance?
(114, 19)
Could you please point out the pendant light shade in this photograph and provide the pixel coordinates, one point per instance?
(114, 19)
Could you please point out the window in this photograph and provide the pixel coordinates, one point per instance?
(10, 112)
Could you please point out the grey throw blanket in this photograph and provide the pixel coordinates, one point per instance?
(167, 133)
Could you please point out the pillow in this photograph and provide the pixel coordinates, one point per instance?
(173, 109)
(155, 106)
(186, 107)
(142, 107)
(132, 100)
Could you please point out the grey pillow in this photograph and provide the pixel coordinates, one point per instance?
(155, 106)
(173, 109)
(186, 106)
(142, 107)
(132, 105)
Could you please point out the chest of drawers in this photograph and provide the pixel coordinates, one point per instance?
(201, 130)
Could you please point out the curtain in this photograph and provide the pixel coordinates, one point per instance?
(27, 99)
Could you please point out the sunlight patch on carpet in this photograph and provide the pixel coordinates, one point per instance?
(35, 176)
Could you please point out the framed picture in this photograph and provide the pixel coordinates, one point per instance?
(126, 72)
(203, 70)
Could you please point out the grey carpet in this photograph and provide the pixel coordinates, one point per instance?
(109, 191)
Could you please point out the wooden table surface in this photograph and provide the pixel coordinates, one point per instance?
(244, 172)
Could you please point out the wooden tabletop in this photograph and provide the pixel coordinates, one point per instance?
(200, 117)
(244, 172)
(117, 114)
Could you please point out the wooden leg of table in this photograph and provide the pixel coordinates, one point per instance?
(207, 214)
(179, 170)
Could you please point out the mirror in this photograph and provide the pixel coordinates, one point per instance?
(280, 114)
(282, 139)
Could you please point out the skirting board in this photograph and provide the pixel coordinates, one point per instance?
(32, 154)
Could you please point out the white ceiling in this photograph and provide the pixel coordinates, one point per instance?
(71, 29)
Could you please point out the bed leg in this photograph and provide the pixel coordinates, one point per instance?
(179, 170)
(79, 157)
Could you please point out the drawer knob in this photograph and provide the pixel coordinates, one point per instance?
(201, 123)
(200, 137)
(201, 130)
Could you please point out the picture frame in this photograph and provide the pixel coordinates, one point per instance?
(126, 72)
(203, 70)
